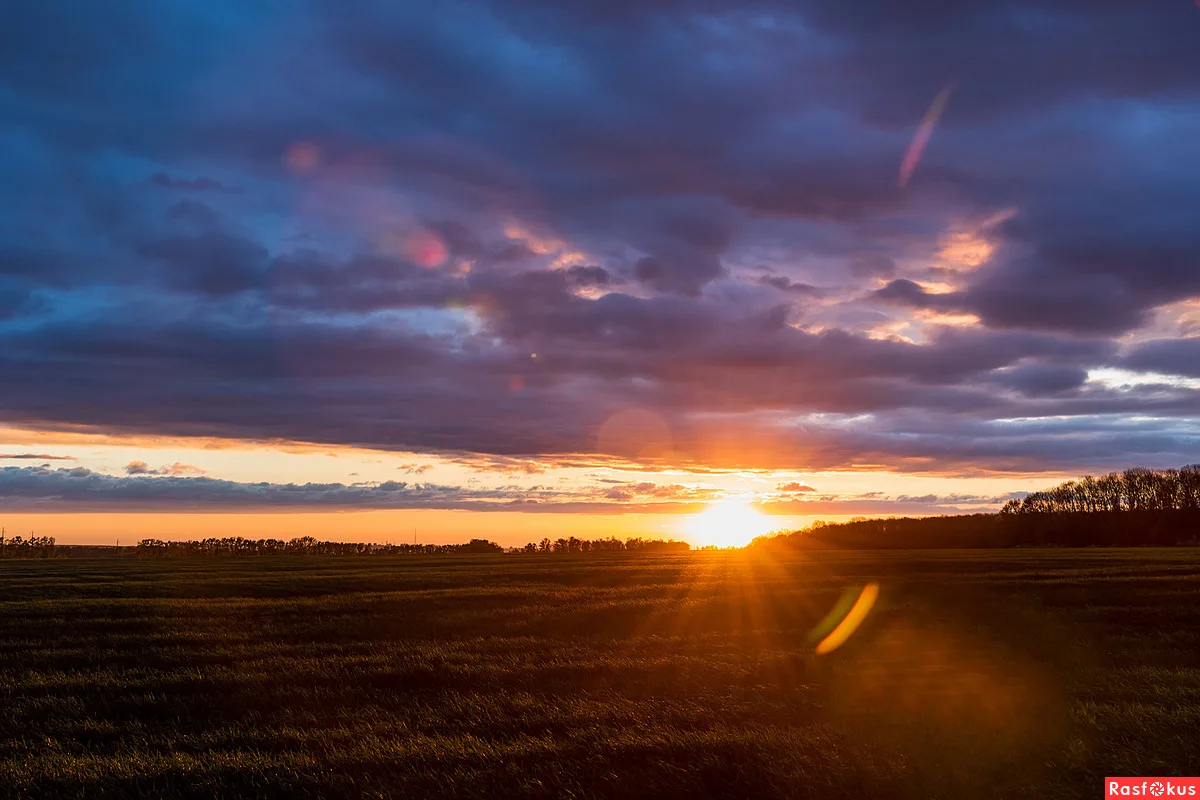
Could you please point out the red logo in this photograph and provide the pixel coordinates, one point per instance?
(1152, 787)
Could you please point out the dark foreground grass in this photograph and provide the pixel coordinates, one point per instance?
(981, 673)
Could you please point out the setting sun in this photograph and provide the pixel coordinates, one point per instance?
(728, 523)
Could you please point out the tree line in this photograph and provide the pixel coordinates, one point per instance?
(308, 545)
(302, 545)
(610, 545)
(33, 547)
(1136, 489)
(1073, 529)
(1132, 508)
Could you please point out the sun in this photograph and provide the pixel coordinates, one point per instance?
(727, 523)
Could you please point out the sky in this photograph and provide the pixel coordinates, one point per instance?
(382, 270)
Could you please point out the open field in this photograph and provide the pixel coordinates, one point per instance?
(979, 673)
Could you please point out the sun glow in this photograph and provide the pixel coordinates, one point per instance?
(728, 523)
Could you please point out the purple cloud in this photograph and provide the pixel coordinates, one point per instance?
(488, 232)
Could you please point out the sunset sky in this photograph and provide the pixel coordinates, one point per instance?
(384, 270)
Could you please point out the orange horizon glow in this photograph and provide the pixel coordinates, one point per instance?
(426, 526)
(703, 506)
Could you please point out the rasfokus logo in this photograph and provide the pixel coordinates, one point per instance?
(1151, 787)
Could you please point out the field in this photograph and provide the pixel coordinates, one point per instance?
(1016, 673)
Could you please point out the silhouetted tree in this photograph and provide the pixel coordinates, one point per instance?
(307, 545)
(1136, 507)
(20, 547)
(304, 545)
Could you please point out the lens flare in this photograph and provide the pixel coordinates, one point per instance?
(636, 434)
(426, 249)
(921, 138)
(850, 622)
(302, 157)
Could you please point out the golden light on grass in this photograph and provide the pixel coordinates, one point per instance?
(728, 523)
(849, 624)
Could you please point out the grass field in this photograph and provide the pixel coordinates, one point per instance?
(1016, 673)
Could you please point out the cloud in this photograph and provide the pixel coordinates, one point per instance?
(41, 488)
(454, 392)
(1035, 379)
(592, 276)
(868, 265)
(201, 184)
(176, 469)
(1166, 356)
(210, 262)
(648, 490)
(34, 457)
(78, 489)
(708, 241)
(961, 499)
(784, 284)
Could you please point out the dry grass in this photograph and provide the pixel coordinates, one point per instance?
(979, 673)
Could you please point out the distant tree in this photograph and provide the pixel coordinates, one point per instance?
(305, 545)
(1136, 507)
(1189, 487)
(33, 547)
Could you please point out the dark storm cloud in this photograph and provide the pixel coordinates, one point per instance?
(1034, 295)
(1167, 356)
(483, 228)
(904, 292)
(591, 276)
(784, 284)
(212, 263)
(388, 388)
(1041, 379)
